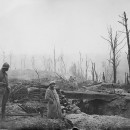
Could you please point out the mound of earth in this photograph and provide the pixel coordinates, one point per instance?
(32, 123)
(17, 119)
(96, 122)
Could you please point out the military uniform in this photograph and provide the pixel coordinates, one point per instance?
(54, 108)
(4, 91)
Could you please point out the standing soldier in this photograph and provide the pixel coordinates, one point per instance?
(4, 88)
(54, 108)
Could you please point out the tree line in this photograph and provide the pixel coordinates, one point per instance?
(58, 65)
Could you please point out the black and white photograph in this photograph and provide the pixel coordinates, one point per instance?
(64, 64)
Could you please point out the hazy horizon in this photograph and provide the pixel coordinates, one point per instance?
(35, 28)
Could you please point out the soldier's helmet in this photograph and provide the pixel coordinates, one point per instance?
(5, 65)
(52, 82)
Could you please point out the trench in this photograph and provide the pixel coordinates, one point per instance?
(91, 107)
(99, 107)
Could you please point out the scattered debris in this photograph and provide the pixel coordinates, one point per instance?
(27, 107)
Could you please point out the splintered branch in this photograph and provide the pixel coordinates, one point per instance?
(121, 17)
(117, 64)
(106, 39)
(121, 41)
(121, 32)
(121, 23)
(120, 49)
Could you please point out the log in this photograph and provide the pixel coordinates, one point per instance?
(93, 84)
(89, 95)
(34, 114)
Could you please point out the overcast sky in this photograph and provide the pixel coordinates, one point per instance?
(36, 26)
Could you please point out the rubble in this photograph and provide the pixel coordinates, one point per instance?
(82, 121)
(18, 93)
(17, 119)
(13, 108)
(105, 99)
(96, 122)
(33, 123)
(34, 107)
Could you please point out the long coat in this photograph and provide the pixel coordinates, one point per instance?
(54, 109)
(4, 92)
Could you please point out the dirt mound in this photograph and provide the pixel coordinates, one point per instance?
(17, 118)
(96, 122)
(33, 123)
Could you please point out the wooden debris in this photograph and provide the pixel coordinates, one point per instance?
(32, 114)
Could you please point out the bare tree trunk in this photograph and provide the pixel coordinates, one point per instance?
(21, 68)
(115, 51)
(125, 78)
(4, 56)
(114, 70)
(36, 71)
(128, 43)
(124, 23)
(80, 65)
(103, 77)
(24, 62)
(10, 60)
(62, 65)
(96, 76)
(87, 65)
(114, 67)
(21, 65)
(54, 61)
(93, 71)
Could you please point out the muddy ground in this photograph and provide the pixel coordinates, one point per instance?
(96, 115)
(82, 121)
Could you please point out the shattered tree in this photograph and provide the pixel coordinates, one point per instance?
(86, 70)
(114, 51)
(124, 23)
(94, 73)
